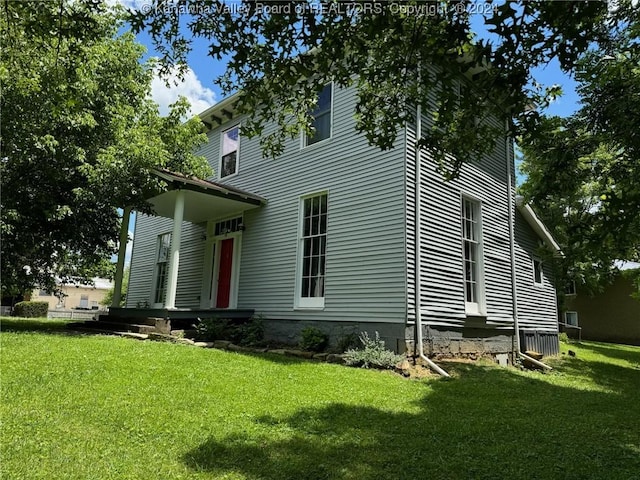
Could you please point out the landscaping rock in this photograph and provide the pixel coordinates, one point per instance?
(161, 337)
(237, 348)
(404, 368)
(298, 353)
(320, 356)
(185, 341)
(204, 344)
(222, 344)
(277, 351)
(335, 358)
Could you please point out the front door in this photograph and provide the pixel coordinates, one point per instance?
(224, 273)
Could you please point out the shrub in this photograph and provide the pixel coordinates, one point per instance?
(373, 354)
(245, 334)
(564, 338)
(31, 309)
(211, 329)
(249, 333)
(347, 342)
(313, 339)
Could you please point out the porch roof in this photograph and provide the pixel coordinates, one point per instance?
(203, 199)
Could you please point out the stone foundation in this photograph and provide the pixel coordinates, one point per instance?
(468, 342)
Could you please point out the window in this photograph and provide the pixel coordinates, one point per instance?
(321, 117)
(570, 288)
(312, 251)
(229, 226)
(571, 318)
(472, 256)
(230, 145)
(537, 271)
(162, 260)
(43, 293)
(84, 301)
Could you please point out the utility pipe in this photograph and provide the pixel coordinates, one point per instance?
(514, 292)
(418, 248)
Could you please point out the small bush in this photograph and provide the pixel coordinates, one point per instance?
(250, 333)
(211, 329)
(245, 334)
(313, 339)
(373, 354)
(31, 309)
(347, 342)
(564, 338)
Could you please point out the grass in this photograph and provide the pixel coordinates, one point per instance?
(94, 407)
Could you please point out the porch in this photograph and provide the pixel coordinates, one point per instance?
(196, 201)
(158, 320)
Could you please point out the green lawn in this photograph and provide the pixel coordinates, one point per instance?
(94, 407)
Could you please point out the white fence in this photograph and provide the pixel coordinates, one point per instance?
(75, 314)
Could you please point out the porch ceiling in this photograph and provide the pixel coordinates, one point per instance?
(203, 200)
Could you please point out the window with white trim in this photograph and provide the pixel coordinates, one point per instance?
(321, 117)
(161, 271)
(472, 256)
(84, 301)
(571, 318)
(312, 252)
(537, 271)
(570, 288)
(230, 147)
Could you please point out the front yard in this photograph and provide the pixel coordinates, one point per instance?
(85, 406)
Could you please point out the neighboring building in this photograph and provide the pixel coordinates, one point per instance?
(611, 316)
(75, 296)
(325, 235)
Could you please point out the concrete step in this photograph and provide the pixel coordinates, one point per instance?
(131, 320)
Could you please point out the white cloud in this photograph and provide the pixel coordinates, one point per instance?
(133, 4)
(189, 86)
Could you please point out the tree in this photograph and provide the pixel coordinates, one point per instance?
(583, 172)
(397, 55)
(79, 138)
(108, 297)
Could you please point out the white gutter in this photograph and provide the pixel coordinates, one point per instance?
(533, 220)
(418, 248)
(512, 241)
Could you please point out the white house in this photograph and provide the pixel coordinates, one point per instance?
(330, 235)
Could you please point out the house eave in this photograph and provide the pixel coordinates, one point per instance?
(536, 224)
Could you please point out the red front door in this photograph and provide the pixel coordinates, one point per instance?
(224, 273)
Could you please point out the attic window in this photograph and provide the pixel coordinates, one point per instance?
(321, 117)
(230, 146)
(537, 271)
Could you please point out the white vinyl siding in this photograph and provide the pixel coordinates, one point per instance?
(144, 256)
(365, 272)
(312, 248)
(442, 290)
(537, 308)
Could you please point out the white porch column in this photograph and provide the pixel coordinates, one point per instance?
(174, 259)
(122, 250)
